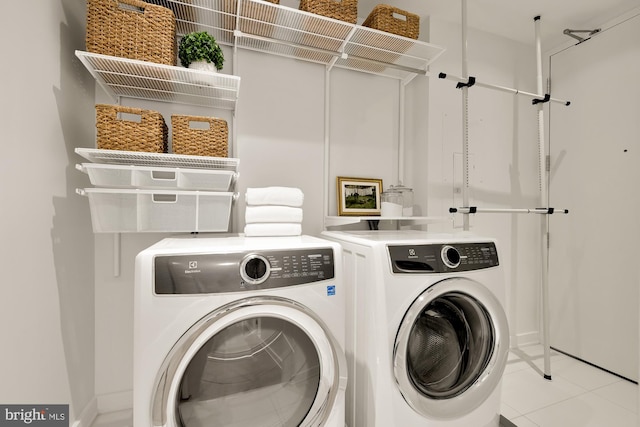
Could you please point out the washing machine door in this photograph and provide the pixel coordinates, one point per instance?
(451, 348)
(263, 361)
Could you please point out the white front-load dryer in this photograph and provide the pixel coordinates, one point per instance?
(427, 335)
(237, 331)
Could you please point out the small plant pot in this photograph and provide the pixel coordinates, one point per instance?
(203, 66)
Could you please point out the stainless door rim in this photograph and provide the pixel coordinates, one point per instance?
(488, 380)
(166, 386)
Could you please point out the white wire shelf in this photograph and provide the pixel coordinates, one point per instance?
(147, 80)
(266, 27)
(140, 158)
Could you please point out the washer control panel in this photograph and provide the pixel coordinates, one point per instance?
(442, 258)
(241, 271)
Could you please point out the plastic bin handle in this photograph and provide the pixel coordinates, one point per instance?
(164, 198)
(163, 175)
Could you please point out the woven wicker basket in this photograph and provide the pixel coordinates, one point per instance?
(115, 132)
(211, 142)
(131, 29)
(393, 20)
(343, 10)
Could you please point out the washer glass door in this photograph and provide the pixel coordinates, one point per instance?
(263, 361)
(451, 348)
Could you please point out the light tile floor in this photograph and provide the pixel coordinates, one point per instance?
(578, 394)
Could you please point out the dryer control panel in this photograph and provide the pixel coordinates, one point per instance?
(241, 271)
(442, 258)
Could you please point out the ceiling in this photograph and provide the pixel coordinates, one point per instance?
(513, 19)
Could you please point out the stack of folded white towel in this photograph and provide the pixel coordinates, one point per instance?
(273, 211)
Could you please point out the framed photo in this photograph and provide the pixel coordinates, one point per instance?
(359, 196)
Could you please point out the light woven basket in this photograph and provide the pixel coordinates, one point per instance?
(116, 132)
(213, 142)
(131, 29)
(393, 20)
(343, 10)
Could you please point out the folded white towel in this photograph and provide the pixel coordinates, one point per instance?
(265, 213)
(285, 196)
(272, 229)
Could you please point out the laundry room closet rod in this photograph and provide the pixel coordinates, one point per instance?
(472, 81)
(465, 82)
(475, 209)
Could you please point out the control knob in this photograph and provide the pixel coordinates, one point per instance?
(255, 269)
(450, 256)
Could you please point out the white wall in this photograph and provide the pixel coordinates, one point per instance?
(47, 302)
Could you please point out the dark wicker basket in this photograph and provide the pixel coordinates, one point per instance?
(393, 20)
(344, 10)
(115, 132)
(131, 29)
(213, 142)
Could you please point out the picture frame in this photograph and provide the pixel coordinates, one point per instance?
(359, 196)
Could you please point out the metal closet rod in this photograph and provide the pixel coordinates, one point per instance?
(472, 81)
(475, 209)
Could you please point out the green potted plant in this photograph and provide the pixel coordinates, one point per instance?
(199, 50)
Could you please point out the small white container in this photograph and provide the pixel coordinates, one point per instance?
(126, 176)
(134, 210)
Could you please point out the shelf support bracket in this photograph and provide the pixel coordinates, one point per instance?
(469, 83)
(544, 100)
(343, 46)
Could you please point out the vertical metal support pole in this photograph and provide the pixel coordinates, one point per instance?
(465, 119)
(234, 66)
(327, 151)
(544, 220)
(235, 219)
(401, 132)
(116, 254)
(117, 248)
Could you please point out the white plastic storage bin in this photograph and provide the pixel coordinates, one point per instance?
(135, 210)
(106, 175)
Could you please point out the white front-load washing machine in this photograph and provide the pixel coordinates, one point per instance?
(427, 337)
(238, 331)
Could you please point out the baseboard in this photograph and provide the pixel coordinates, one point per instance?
(114, 402)
(88, 414)
(525, 339)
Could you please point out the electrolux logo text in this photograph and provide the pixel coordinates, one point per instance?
(34, 415)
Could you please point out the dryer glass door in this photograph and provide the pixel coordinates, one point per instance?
(263, 370)
(451, 348)
(260, 361)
